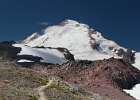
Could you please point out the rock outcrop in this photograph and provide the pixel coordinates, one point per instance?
(66, 53)
(7, 51)
(129, 56)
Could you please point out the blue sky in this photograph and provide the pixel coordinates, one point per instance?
(118, 20)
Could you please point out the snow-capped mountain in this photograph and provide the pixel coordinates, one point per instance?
(78, 39)
(82, 41)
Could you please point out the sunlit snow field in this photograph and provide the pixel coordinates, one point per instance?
(48, 55)
(135, 91)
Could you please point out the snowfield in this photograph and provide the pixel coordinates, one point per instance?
(135, 91)
(48, 55)
(25, 60)
(137, 60)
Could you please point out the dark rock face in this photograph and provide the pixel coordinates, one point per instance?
(8, 42)
(7, 50)
(121, 52)
(66, 53)
(10, 52)
(125, 75)
(129, 56)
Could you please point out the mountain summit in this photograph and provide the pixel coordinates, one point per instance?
(82, 41)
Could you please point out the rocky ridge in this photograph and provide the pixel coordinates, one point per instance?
(106, 77)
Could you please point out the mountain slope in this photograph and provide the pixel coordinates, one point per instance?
(82, 41)
(30, 38)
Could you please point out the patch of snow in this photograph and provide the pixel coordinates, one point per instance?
(137, 60)
(135, 91)
(25, 60)
(85, 25)
(71, 22)
(48, 55)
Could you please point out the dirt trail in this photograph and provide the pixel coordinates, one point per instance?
(41, 91)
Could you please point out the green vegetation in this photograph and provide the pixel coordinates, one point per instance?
(1, 97)
(64, 92)
(62, 77)
(93, 69)
(33, 78)
(2, 57)
(32, 97)
(53, 85)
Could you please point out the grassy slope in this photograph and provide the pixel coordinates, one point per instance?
(18, 83)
